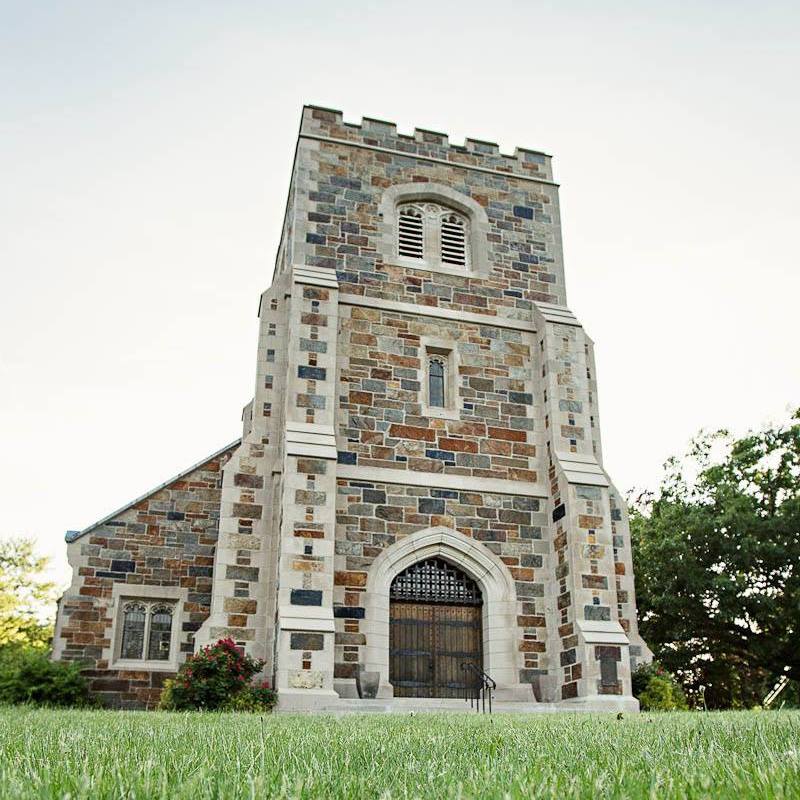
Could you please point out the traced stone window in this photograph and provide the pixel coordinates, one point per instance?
(433, 234)
(147, 629)
(134, 619)
(437, 381)
(160, 633)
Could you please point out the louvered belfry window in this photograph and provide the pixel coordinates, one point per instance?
(411, 233)
(454, 240)
(433, 234)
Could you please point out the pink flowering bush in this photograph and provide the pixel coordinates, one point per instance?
(216, 678)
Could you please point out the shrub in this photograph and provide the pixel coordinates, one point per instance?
(253, 698)
(27, 675)
(657, 689)
(210, 679)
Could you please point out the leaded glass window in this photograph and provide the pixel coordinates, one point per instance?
(160, 633)
(133, 624)
(436, 382)
(147, 628)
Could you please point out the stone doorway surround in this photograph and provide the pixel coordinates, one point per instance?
(499, 605)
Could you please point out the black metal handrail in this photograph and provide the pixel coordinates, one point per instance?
(483, 688)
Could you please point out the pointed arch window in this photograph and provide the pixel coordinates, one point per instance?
(433, 234)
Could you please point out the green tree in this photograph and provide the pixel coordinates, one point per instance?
(24, 595)
(717, 564)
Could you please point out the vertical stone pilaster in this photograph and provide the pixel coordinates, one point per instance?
(305, 629)
(588, 635)
(243, 599)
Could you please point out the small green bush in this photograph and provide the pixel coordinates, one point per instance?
(657, 689)
(27, 675)
(211, 679)
(253, 698)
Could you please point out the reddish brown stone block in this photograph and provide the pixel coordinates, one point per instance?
(412, 432)
(345, 578)
(459, 445)
(507, 434)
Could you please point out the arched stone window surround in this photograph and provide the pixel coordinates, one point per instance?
(401, 193)
(499, 603)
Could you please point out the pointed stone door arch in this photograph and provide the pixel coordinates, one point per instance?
(500, 645)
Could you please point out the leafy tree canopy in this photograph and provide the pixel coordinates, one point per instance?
(717, 564)
(24, 595)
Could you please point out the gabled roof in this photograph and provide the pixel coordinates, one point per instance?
(71, 536)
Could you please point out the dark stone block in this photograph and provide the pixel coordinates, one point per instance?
(448, 493)
(307, 641)
(312, 373)
(523, 212)
(346, 458)
(306, 597)
(569, 690)
(391, 513)
(233, 573)
(123, 566)
(374, 496)
(559, 512)
(597, 613)
(117, 576)
(201, 572)
(348, 612)
(568, 657)
(175, 516)
(442, 455)
(429, 505)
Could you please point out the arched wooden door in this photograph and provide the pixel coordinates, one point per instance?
(435, 623)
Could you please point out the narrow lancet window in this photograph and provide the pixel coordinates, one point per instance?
(133, 631)
(436, 382)
(160, 633)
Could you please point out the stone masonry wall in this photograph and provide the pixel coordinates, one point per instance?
(381, 422)
(372, 516)
(166, 539)
(339, 225)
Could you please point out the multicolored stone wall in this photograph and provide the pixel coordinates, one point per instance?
(339, 226)
(167, 539)
(372, 516)
(381, 420)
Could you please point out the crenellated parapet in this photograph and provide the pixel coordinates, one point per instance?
(329, 124)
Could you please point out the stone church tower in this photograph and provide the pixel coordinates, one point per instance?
(419, 483)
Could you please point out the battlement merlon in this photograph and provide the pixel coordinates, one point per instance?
(325, 123)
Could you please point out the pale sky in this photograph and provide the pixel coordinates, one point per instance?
(145, 151)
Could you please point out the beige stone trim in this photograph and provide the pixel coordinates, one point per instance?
(124, 592)
(434, 480)
(497, 587)
(440, 313)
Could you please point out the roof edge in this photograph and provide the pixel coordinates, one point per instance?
(71, 536)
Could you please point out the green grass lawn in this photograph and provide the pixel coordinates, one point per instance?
(105, 754)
